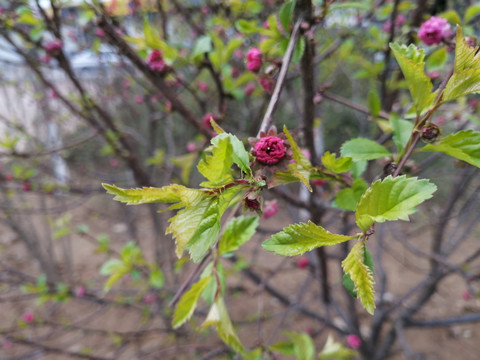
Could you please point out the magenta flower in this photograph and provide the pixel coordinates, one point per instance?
(254, 60)
(319, 182)
(99, 32)
(270, 150)
(155, 61)
(354, 341)
(270, 208)
(53, 47)
(28, 317)
(434, 30)
(191, 147)
(303, 262)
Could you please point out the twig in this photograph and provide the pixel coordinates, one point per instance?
(267, 119)
(340, 100)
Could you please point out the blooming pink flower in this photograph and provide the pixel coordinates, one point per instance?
(249, 88)
(270, 150)
(434, 30)
(79, 291)
(155, 61)
(254, 60)
(99, 32)
(202, 86)
(191, 147)
(354, 341)
(53, 47)
(28, 317)
(206, 119)
(303, 262)
(266, 83)
(139, 99)
(270, 208)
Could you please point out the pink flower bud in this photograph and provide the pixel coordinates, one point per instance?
(433, 75)
(354, 341)
(202, 86)
(28, 317)
(303, 262)
(249, 88)
(191, 147)
(52, 94)
(206, 120)
(466, 295)
(149, 298)
(155, 61)
(270, 208)
(319, 182)
(434, 30)
(99, 32)
(45, 59)
(126, 83)
(254, 60)
(53, 47)
(139, 99)
(79, 291)
(269, 150)
(113, 162)
(266, 83)
(7, 345)
(238, 54)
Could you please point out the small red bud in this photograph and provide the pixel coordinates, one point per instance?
(303, 262)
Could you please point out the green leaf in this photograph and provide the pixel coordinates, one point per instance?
(299, 238)
(188, 302)
(354, 265)
(156, 279)
(185, 162)
(131, 254)
(206, 232)
(286, 14)
(186, 222)
(297, 154)
(216, 167)
(283, 347)
(168, 194)
(411, 62)
(359, 5)
(463, 145)
(347, 280)
(237, 232)
(112, 266)
(202, 45)
(153, 40)
(340, 165)
(402, 130)
(392, 199)
(335, 350)
(471, 12)
(298, 51)
(437, 59)
(210, 291)
(239, 155)
(373, 102)
(347, 199)
(218, 317)
(364, 149)
(246, 26)
(452, 16)
(303, 346)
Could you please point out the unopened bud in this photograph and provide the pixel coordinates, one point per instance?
(430, 133)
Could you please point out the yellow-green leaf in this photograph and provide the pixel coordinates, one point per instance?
(361, 275)
(237, 232)
(216, 167)
(296, 239)
(188, 302)
(336, 165)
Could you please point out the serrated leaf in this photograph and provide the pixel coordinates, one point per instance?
(299, 50)
(437, 59)
(347, 199)
(218, 317)
(392, 199)
(333, 350)
(297, 154)
(347, 280)
(283, 347)
(336, 165)
(354, 265)
(168, 194)
(296, 239)
(303, 346)
(364, 149)
(156, 279)
(402, 130)
(239, 155)
(246, 26)
(206, 232)
(286, 14)
(411, 62)
(237, 232)
(202, 45)
(188, 302)
(216, 167)
(466, 57)
(463, 145)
